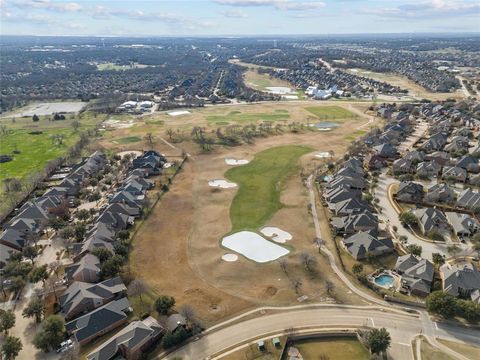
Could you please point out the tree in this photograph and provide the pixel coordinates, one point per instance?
(357, 268)
(80, 231)
(188, 312)
(35, 118)
(56, 223)
(11, 347)
(319, 242)
(111, 267)
(329, 286)
(307, 260)
(123, 235)
(408, 219)
(283, 265)
(75, 125)
(30, 252)
(415, 249)
(164, 304)
(453, 249)
(35, 309)
(102, 254)
(55, 267)
(438, 259)
(378, 340)
(467, 309)
(51, 334)
(83, 215)
(170, 134)
(296, 284)
(39, 274)
(136, 288)
(67, 233)
(7, 320)
(172, 339)
(441, 303)
(149, 138)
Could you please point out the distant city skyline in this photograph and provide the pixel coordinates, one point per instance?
(236, 17)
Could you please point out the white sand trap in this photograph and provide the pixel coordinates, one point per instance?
(224, 184)
(231, 161)
(178, 113)
(323, 155)
(276, 234)
(291, 97)
(230, 257)
(134, 153)
(253, 246)
(117, 124)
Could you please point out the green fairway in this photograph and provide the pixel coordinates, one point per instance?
(238, 117)
(331, 112)
(128, 140)
(35, 151)
(260, 183)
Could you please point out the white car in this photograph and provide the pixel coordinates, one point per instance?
(64, 346)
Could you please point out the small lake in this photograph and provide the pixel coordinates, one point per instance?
(323, 125)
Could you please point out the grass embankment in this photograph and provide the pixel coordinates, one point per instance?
(333, 348)
(331, 112)
(428, 352)
(470, 351)
(260, 183)
(239, 117)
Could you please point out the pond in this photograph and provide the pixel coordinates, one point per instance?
(326, 125)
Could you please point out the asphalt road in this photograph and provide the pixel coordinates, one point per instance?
(403, 328)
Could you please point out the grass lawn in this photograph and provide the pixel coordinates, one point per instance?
(35, 151)
(238, 117)
(338, 348)
(252, 352)
(470, 351)
(431, 353)
(355, 135)
(260, 183)
(128, 140)
(331, 112)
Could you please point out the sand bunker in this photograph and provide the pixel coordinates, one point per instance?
(276, 234)
(253, 246)
(230, 257)
(134, 153)
(117, 124)
(231, 161)
(178, 113)
(224, 184)
(323, 155)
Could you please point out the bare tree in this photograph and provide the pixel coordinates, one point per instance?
(136, 288)
(189, 313)
(308, 261)
(329, 286)
(55, 267)
(319, 242)
(170, 134)
(297, 284)
(283, 265)
(149, 138)
(75, 125)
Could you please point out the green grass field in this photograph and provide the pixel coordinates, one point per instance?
(128, 140)
(336, 348)
(353, 136)
(260, 183)
(238, 117)
(331, 112)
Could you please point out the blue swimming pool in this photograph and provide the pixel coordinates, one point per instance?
(384, 280)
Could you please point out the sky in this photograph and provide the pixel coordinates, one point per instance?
(236, 17)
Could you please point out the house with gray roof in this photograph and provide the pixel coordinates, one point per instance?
(435, 142)
(457, 144)
(175, 321)
(431, 219)
(130, 342)
(409, 191)
(115, 221)
(454, 172)
(125, 197)
(81, 297)
(417, 274)
(361, 244)
(415, 156)
(354, 183)
(463, 225)
(89, 245)
(349, 206)
(99, 321)
(468, 163)
(440, 193)
(468, 199)
(440, 157)
(460, 280)
(350, 224)
(124, 209)
(386, 151)
(87, 269)
(402, 166)
(428, 169)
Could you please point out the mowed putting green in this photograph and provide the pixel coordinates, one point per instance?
(239, 117)
(260, 183)
(331, 112)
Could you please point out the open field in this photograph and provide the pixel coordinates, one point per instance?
(414, 90)
(184, 230)
(252, 352)
(260, 183)
(469, 351)
(115, 67)
(337, 348)
(237, 117)
(46, 108)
